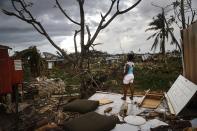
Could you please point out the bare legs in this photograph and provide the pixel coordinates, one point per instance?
(131, 90)
(125, 88)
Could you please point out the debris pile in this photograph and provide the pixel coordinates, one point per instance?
(48, 87)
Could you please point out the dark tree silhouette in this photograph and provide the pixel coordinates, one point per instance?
(23, 13)
(184, 12)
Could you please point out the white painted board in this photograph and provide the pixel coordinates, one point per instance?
(50, 65)
(17, 65)
(180, 93)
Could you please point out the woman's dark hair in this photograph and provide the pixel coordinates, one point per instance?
(130, 57)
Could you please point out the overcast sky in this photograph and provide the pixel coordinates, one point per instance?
(126, 33)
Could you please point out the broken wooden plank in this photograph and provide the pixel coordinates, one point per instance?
(104, 101)
(144, 96)
(107, 110)
(151, 100)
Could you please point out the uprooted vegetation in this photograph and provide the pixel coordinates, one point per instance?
(156, 75)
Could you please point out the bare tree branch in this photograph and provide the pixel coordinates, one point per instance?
(120, 12)
(65, 14)
(97, 44)
(89, 34)
(102, 16)
(193, 13)
(182, 14)
(110, 9)
(82, 23)
(24, 6)
(16, 15)
(100, 25)
(81, 1)
(128, 9)
(117, 6)
(82, 34)
(24, 14)
(37, 28)
(13, 4)
(31, 20)
(75, 43)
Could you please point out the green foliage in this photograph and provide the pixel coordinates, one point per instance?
(158, 75)
(27, 73)
(32, 58)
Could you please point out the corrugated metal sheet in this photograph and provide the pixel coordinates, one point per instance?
(10, 71)
(3, 53)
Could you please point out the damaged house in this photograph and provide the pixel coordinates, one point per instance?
(53, 60)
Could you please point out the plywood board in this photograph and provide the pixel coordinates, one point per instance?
(190, 52)
(180, 94)
(195, 52)
(104, 101)
(151, 101)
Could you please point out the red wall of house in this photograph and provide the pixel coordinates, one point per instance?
(8, 75)
(5, 72)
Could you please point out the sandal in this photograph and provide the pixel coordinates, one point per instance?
(123, 98)
(131, 98)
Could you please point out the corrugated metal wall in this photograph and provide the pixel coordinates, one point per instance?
(190, 52)
(9, 75)
(5, 72)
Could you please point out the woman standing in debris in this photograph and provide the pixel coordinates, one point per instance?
(128, 77)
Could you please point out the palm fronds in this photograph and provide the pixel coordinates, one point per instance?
(162, 32)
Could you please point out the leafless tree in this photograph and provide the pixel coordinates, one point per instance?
(23, 13)
(184, 13)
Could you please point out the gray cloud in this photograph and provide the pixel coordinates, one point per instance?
(126, 30)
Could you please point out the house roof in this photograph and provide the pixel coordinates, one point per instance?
(112, 58)
(53, 60)
(4, 47)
